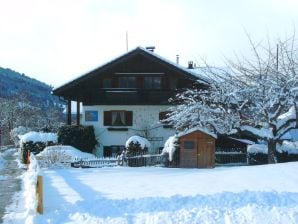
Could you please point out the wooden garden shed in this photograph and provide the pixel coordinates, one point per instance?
(197, 149)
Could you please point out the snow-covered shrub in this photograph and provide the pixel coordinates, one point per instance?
(61, 156)
(286, 152)
(16, 133)
(137, 143)
(136, 146)
(288, 147)
(35, 142)
(52, 158)
(257, 148)
(170, 149)
(257, 154)
(80, 137)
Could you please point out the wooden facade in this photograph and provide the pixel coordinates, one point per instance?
(139, 77)
(197, 150)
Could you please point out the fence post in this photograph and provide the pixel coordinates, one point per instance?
(28, 159)
(39, 192)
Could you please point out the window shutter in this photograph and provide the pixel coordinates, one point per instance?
(128, 119)
(107, 118)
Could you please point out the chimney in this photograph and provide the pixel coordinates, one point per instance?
(150, 48)
(190, 65)
(177, 59)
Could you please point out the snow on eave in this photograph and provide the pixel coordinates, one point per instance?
(212, 74)
(177, 66)
(197, 129)
(72, 81)
(246, 141)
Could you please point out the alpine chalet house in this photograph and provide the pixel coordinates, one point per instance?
(128, 96)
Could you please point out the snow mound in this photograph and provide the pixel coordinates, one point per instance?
(39, 137)
(69, 153)
(289, 147)
(257, 148)
(286, 147)
(143, 141)
(170, 147)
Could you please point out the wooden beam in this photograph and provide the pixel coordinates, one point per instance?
(78, 112)
(69, 112)
(39, 192)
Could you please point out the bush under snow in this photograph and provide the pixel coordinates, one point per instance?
(59, 155)
(144, 143)
(170, 147)
(285, 147)
(257, 148)
(289, 147)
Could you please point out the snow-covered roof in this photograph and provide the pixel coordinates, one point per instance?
(246, 141)
(211, 74)
(191, 72)
(197, 129)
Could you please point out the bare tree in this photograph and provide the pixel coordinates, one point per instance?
(255, 94)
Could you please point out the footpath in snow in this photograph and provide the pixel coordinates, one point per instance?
(254, 194)
(10, 181)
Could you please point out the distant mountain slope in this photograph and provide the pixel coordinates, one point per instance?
(13, 83)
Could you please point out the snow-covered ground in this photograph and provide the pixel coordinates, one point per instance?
(253, 194)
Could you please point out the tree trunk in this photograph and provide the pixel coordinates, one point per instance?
(272, 151)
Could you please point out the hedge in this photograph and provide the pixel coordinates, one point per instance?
(78, 136)
(33, 147)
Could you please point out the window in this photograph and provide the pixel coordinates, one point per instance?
(118, 118)
(91, 115)
(107, 83)
(189, 144)
(127, 82)
(162, 116)
(152, 83)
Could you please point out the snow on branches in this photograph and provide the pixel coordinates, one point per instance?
(257, 94)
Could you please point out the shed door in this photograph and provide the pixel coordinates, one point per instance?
(188, 154)
(205, 154)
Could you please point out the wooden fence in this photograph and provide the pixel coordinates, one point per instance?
(132, 161)
(146, 160)
(95, 163)
(223, 158)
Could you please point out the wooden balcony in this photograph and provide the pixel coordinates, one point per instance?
(117, 96)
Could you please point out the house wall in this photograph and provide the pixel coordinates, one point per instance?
(145, 124)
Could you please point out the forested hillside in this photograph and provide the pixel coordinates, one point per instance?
(14, 84)
(28, 103)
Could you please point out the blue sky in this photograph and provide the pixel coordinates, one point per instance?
(57, 40)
